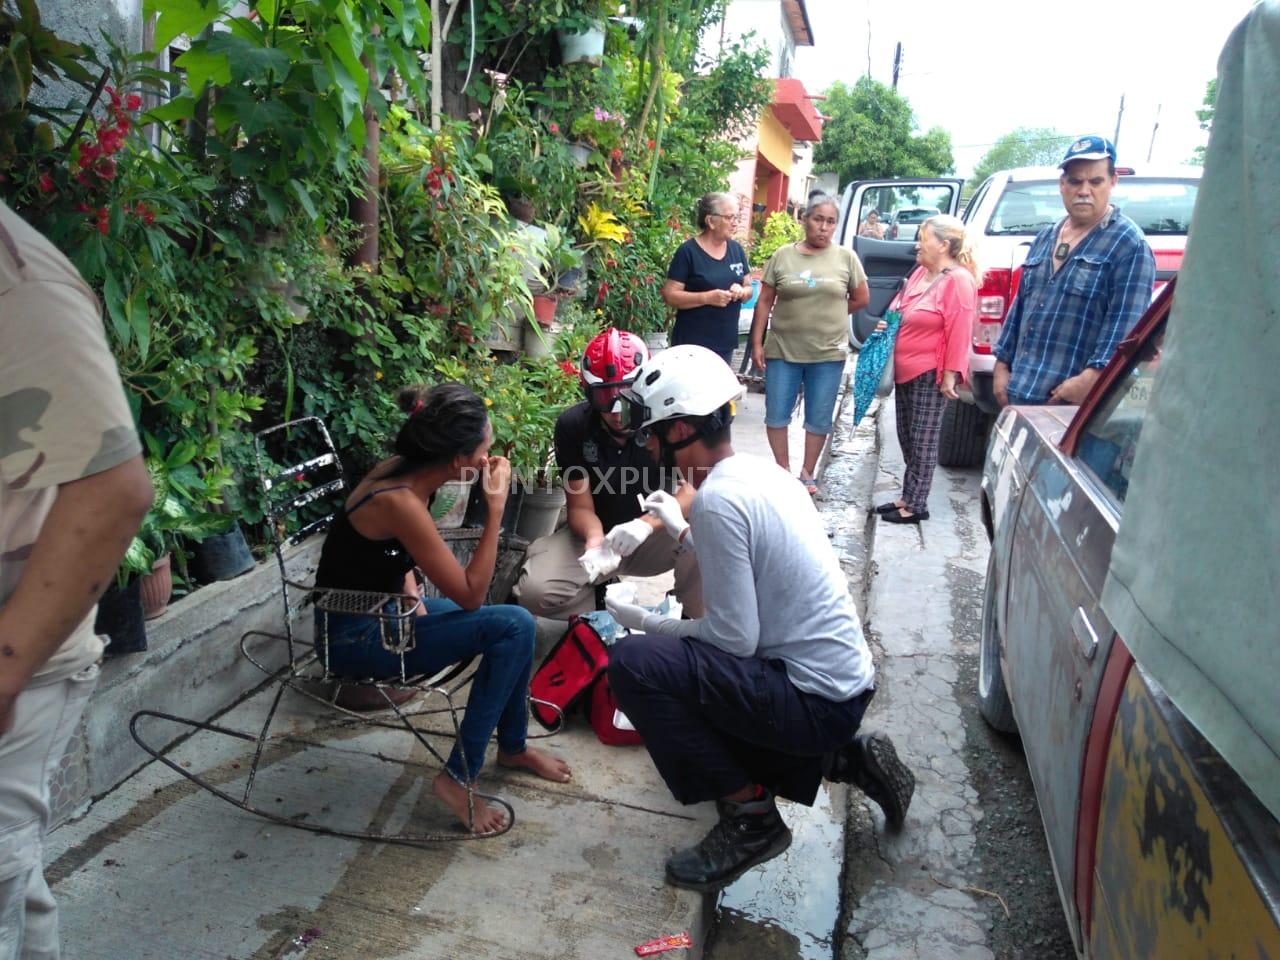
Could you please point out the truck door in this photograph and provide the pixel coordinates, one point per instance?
(887, 261)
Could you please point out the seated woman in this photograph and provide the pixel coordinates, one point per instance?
(383, 531)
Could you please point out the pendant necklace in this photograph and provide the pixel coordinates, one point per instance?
(1062, 250)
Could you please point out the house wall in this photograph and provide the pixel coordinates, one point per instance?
(85, 21)
(765, 18)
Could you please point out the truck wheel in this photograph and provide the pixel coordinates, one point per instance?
(963, 440)
(993, 698)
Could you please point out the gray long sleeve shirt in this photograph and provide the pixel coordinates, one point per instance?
(771, 583)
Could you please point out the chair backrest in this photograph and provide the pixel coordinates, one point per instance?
(302, 485)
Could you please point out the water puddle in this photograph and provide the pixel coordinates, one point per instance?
(786, 909)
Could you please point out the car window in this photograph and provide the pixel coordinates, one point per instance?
(1026, 208)
(1159, 207)
(975, 202)
(1110, 438)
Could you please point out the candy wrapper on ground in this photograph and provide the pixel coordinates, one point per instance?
(679, 941)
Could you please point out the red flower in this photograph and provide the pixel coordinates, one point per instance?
(651, 143)
(106, 169)
(89, 153)
(611, 263)
(553, 127)
(145, 213)
(569, 367)
(616, 153)
(133, 102)
(46, 183)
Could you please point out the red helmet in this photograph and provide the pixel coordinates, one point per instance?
(609, 364)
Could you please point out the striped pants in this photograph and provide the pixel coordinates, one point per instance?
(919, 405)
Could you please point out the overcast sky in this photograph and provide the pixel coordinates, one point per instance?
(982, 68)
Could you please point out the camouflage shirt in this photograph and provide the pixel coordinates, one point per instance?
(63, 413)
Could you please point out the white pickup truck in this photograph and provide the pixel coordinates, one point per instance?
(1005, 213)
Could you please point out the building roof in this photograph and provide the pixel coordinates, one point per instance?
(798, 19)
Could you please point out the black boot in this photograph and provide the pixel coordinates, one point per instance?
(871, 764)
(748, 833)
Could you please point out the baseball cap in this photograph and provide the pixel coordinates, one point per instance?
(1090, 148)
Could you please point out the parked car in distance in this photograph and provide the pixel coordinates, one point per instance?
(1159, 847)
(904, 223)
(1005, 213)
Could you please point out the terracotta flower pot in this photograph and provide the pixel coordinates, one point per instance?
(544, 309)
(156, 588)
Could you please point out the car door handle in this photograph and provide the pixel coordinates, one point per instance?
(1086, 636)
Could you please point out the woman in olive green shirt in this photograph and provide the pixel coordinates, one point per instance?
(810, 287)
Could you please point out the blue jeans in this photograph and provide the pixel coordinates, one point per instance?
(502, 636)
(782, 380)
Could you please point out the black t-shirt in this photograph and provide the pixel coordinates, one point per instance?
(715, 328)
(617, 473)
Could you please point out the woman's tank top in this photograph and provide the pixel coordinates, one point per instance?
(351, 561)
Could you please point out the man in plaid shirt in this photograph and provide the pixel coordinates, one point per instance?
(1085, 283)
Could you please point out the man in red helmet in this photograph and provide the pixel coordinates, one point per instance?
(604, 469)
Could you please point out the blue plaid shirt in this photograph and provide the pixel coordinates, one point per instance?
(1059, 324)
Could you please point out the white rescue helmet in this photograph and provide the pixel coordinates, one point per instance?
(683, 381)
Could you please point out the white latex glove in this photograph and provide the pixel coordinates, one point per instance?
(666, 508)
(629, 615)
(642, 619)
(599, 562)
(626, 538)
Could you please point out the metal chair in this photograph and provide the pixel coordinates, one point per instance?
(301, 494)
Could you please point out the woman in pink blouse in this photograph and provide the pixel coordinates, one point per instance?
(938, 305)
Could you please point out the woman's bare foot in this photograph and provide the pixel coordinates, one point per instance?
(454, 796)
(545, 765)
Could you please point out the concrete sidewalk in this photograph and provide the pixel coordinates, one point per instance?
(161, 869)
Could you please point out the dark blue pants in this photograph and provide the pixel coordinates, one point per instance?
(715, 723)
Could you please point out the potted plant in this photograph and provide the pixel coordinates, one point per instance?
(119, 617)
(602, 130)
(559, 276)
(528, 397)
(177, 516)
(582, 37)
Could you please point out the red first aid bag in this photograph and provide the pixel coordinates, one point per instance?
(566, 674)
(610, 724)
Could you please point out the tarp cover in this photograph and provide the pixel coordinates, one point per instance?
(1194, 584)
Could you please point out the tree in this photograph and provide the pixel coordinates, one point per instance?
(871, 132)
(1022, 147)
(1205, 116)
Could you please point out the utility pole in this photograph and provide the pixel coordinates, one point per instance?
(897, 63)
(1116, 139)
(868, 48)
(1154, 127)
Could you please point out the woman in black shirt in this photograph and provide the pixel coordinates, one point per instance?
(384, 531)
(707, 280)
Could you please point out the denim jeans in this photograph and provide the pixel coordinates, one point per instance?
(502, 636)
(821, 380)
(44, 718)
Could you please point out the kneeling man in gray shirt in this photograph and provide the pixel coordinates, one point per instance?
(764, 694)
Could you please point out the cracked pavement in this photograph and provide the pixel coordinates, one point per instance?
(934, 890)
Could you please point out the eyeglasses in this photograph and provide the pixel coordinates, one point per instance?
(724, 216)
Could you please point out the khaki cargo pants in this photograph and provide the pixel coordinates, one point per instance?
(553, 583)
